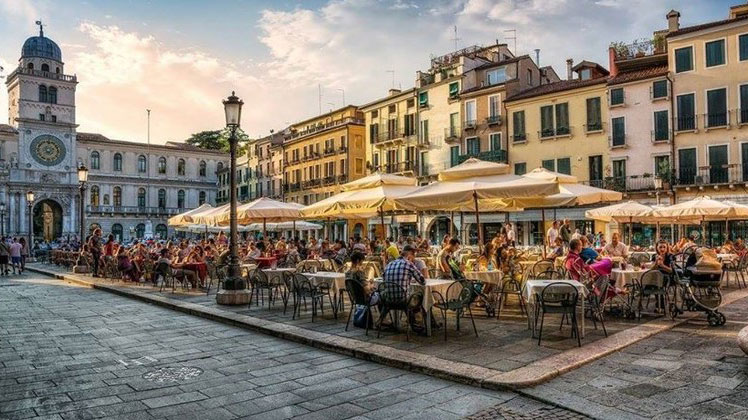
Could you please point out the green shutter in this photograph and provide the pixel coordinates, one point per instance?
(659, 89)
(546, 121)
(549, 164)
(743, 47)
(520, 168)
(423, 99)
(716, 107)
(683, 59)
(594, 119)
(686, 166)
(686, 117)
(661, 125)
(518, 124)
(562, 119)
(563, 166)
(616, 96)
(454, 89)
(619, 131)
(715, 53)
(744, 104)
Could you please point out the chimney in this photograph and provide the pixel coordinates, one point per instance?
(612, 62)
(673, 21)
(393, 92)
(569, 65)
(537, 57)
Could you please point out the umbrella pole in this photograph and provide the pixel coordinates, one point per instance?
(294, 230)
(264, 229)
(477, 221)
(542, 230)
(462, 226)
(703, 232)
(631, 231)
(657, 237)
(452, 224)
(381, 222)
(727, 230)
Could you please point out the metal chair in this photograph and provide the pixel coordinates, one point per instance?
(738, 267)
(357, 296)
(460, 295)
(304, 289)
(650, 283)
(559, 298)
(510, 285)
(392, 297)
(215, 273)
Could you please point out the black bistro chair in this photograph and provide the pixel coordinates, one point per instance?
(559, 298)
(460, 295)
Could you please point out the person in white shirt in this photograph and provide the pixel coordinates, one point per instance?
(616, 248)
(510, 234)
(552, 234)
(577, 234)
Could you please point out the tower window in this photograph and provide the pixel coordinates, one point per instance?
(42, 93)
(30, 66)
(117, 164)
(57, 70)
(52, 95)
(45, 67)
(41, 117)
(95, 160)
(142, 164)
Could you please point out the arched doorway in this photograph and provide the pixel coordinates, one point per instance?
(47, 220)
(440, 227)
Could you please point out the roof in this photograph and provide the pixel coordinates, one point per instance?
(407, 92)
(584, 63)
(639, 74)
(479, 88)
(703, 26)
(170, 145)
(501, 63)
(560, 86)
(41, 46)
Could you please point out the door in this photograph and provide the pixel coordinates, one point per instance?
(596, 170)
(686, 166)
(718, 164)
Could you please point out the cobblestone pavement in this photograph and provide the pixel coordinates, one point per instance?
(692, 371)
(69, 352)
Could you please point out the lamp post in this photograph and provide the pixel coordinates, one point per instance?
(2, 219)
(80, 265)
(234, 292)
(30, 205)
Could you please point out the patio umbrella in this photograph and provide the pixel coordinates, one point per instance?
(476, 186)
(262, 210)
(363, 198)
(278, 227)
(703, 209)
(208, 217)
(629, 211)
(184, 219)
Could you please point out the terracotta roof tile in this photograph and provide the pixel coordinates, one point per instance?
(639, 74)
(560, 86)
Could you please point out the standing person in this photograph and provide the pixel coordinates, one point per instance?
(552, 234)
(4, 256)
(565, 232)
(15, 256)
(510, 234)
(94, 247)
(24, 253)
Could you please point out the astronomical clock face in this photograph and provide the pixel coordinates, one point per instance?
(48, 150)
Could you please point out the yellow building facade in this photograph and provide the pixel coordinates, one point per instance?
(561, 126)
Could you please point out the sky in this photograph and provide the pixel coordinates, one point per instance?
(180, 58)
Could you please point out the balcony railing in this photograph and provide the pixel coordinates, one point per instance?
(499, 156)
(329, 151)
(617, 140)
(594, 127)
(322, 127)
(493, 120)
(393, 135)
(470, 124)
(687, 123)
(398, 168)
(661, 136)
(742, 115)
(716, 119)
(550, 133)
(519, 137)
(45, 74)
(452, 134)
(712, 175)
(636, 49)
(136, 210)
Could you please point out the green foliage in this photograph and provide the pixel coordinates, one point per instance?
(218, 140)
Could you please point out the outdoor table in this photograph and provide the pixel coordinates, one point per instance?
(526, 268)
(535, 287)
(248, 267)
(277, 273)
(319, 264)
(624, 276)
(265, 262)
(432, 285)
(492, 276)
(198, 267)
(727, 257)
(336, 282)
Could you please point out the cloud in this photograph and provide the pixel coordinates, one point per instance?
(23, 9)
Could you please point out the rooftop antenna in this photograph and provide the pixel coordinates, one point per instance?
(393, 77)
(341, 90)
(41, 27)
(455, 39)
(513, 38)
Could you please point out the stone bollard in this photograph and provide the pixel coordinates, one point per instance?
(743, 340)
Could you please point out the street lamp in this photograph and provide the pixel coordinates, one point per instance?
(233, 109)
(82, 179)
(2, 219)
(30, 204)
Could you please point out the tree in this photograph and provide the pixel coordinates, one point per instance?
(218, 140)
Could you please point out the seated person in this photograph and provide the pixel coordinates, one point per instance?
(727, 248)
(487, 258)
(357, 274)
(663, 259)
(447, 266)
(615, 248)
(558, 250)
(588, 254)
(126, 267)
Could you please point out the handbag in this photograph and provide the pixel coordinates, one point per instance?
(360, 319)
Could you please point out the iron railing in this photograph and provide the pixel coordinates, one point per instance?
(499, 156)
(137, 210)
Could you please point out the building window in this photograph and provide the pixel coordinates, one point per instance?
(219, 166)
(161, 231)
(142, 164)
(662, 167)
(117, 197)
(42, 117)
(716, 108)
(661, 126)
(45, 67)
(423, 99)
(203, 167)
(410, 103)
(424, 134)
(201, 199)
(683, 59)
(715, 53)
(686, 112)
(454, 155)
(162, 165)
(106, 199)
(546, 121)
(141, 197)
(585, 74)
(594, 116)
(619, 132)
(454, 124)
(95, 196)
(52, 95)
(180, 167)
(162, 198)
(743, 47)
(494, 108)
(718, 165)
(495, 76)
(743, 104)
(549, 164)
(520, 168)
(616, 97)
(95, 160)
(470, 114)
(619, 171)
(410, 127)
(30, 66)
(494, 139)
(117, 232)
(373, 134)
(140, 231)
(563, 166)
(42, 93)
(180, 199)
(473, 146)
(454, 89)
(117, 162)
(596, 170)
(529, 77)
(659, 89)
(518, 126)
(687, 166)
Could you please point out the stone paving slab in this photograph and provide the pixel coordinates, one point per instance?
(148, 362)
(463, 358)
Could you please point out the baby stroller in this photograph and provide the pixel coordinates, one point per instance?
(696, 289)
(477, 287)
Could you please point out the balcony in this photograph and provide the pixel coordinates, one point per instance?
(296, 186)
(132, 210)
(329, 151)
(322, 127)
(493, 120)
(452, 134)
(470, 124)
(597, 127)
(519, 138)
(617, 141)
(638, 49)
(625, 184)
(661, 136)
(716, 120)
(45, 74)
(733, 173)
(550, 133)
(342, 149)
(398, 168)
(342, 179)
(499, 156)
(685, 124)
(393, 137)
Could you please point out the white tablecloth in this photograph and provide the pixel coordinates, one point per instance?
(727, 257)
(492, 277)
(535, 287)
(438, 285)
(336, 281)
(276, 274)
(622, 277)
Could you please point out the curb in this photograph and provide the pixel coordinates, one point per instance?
(527, 376)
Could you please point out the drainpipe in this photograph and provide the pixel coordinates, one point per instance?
(672, 140)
